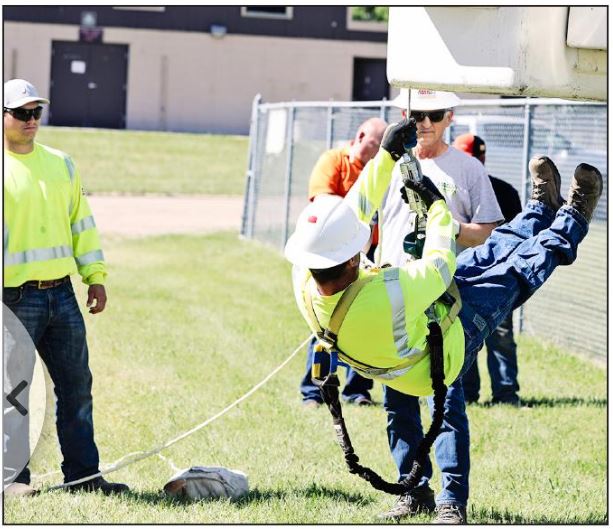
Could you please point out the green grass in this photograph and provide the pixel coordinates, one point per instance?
(133, 162)
(194, 322)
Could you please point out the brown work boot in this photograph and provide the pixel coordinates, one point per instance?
(419, 500)
(545, 182)
(585, 190)
(449, 514)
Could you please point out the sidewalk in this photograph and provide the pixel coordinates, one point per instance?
(140, 216)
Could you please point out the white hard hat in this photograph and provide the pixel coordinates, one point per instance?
(19, 92)
(328, 233)
(425, 99)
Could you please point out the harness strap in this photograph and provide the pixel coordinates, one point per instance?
(343, 305)
(452, 298)
(329, 335)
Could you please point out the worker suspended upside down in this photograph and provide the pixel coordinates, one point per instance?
(384, 332)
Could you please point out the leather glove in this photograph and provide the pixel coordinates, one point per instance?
(398, 137)
(426, 190)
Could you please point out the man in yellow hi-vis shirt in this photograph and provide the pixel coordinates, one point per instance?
(383, 334)
(49, 234)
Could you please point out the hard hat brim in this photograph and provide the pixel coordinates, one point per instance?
(305, 259)
(446, 100)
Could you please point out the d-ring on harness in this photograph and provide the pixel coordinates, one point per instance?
(329, 384)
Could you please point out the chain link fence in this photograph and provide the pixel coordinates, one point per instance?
(286, 139)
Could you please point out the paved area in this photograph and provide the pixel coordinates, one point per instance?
(140, 216)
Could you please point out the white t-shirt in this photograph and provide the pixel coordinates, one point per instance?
(464, 183)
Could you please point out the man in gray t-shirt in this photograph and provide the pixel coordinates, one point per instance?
(468, 192)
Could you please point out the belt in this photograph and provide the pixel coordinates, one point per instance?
(50, 283)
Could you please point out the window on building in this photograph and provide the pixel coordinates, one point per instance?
(155, 9)
(282, 12)
(367, 18)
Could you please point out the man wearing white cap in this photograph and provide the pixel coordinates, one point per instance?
(464, 183)
(390, 314)
(49, 234)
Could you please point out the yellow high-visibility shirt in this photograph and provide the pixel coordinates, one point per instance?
(49, 230)
(386, 323)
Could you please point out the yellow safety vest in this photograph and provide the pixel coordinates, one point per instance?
(386, 325)
(49, 230)
(382, 335)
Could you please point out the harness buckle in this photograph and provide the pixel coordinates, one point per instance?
(321, 353)
(327, 339)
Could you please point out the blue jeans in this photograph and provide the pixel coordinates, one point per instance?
(451, 448)
(503, 273)
(355, 385)
(494, 279)
(501, 365)
(55, 324)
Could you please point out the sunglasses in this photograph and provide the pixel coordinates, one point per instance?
(25, 114)
(435, 115)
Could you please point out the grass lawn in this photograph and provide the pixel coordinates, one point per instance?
(133, 162)
(194, 322)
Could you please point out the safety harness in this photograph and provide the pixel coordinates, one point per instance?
(329, 384)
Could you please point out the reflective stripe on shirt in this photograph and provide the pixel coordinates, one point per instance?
(84, 224)
(40, 254)
(365, 205)
(90, 257)
(70, 167)
(439, 242)
(391, 277)
(443, 269)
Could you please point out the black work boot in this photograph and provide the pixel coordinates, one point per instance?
(545, 182)
(419, 500)
(449, 514)
(585, 190)
(99, 484)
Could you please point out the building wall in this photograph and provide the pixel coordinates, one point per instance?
(321, 22)
(190, 81)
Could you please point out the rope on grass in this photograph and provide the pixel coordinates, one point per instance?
(134, 457)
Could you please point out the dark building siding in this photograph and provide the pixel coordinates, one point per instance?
(320, 22)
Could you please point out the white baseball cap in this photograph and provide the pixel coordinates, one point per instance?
(18, 92)
(328, 233)
(425, 99)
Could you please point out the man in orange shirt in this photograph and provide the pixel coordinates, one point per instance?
(334, 174)
(337, 169)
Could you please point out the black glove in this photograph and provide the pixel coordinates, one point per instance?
(426, 190)
(399, 136)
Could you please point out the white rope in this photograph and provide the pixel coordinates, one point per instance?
(172, 466)
(134, 457)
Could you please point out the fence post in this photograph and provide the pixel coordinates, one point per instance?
(248, 216)
(289, 142)
(524, 180)
(383, 111)
(330, 127)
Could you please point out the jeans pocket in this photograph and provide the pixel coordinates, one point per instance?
(12, 295)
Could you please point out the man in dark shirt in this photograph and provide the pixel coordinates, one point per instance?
(501, 346)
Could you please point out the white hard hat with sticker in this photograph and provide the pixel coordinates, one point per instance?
(424, 99)
(328, 233)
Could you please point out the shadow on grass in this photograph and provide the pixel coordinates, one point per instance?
(491, 515)
(254, 496)
(312, 491)
(549, 402)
